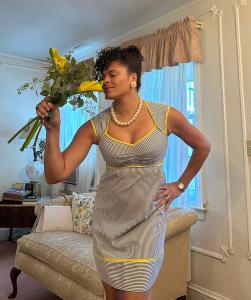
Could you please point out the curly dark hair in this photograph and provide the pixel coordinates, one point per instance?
(129, 56)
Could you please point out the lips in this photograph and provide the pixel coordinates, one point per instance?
(108, 89)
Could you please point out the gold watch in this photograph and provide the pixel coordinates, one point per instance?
(181, 186)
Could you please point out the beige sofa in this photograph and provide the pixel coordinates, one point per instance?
(62, 261)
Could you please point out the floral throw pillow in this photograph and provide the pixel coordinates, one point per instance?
(82, 208)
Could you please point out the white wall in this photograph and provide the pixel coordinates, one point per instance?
(221, 268)
(15, 112)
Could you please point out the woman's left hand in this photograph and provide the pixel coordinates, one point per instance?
(169, 192)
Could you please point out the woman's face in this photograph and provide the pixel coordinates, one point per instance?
(117, 80)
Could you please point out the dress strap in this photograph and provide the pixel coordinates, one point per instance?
(159, 113)
(100, 121)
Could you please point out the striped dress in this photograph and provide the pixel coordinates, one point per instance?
(128, 228)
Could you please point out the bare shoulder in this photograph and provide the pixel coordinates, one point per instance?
(180, 126)
(177, 121)
(87, 131)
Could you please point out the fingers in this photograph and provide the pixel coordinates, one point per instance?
(165, 200)
(41, 111)
(160, 195)
(168, 202)
(43, 107)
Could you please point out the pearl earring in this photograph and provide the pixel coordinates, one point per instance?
(133, 84)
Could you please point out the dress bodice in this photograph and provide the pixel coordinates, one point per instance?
(148, 150)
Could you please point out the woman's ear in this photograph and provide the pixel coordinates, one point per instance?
(134, 76)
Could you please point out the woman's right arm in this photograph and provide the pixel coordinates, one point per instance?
(59, 165)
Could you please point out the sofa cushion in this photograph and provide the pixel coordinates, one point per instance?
(68, 252)
(82, 209)
(55, 218)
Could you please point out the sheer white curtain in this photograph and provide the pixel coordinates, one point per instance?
(100, 163)
(70, 122)
(169, 86)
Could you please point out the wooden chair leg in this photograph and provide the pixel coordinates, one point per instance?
(182, 297)
(13, 276)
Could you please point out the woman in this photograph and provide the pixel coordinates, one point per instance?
(132, 197)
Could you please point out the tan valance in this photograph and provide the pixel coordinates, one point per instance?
(178, 43)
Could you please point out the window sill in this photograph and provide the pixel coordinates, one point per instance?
(201, 212)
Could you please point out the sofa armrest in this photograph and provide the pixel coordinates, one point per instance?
(56, 201)
(179, 220)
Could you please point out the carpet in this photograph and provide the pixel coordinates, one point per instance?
(27, 288)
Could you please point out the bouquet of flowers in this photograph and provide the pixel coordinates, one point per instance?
(66, 81)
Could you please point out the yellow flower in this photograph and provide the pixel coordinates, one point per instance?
(90, 86)
(59, 60)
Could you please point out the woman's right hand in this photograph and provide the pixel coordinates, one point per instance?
(42, 109)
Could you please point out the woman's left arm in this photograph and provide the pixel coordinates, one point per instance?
(181, 127)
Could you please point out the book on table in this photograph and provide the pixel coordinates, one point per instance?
(15, 194)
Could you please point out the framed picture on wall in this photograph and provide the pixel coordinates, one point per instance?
(18, 186)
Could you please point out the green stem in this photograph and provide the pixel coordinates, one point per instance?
(35, 142)
(22, 129)
(31, 134)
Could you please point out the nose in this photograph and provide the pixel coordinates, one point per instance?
(106, 78)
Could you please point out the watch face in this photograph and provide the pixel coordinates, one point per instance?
(181, 186)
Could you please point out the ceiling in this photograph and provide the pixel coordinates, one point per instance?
(29, 28)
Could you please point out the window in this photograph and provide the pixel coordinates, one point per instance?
(176, 86)
(71, 120)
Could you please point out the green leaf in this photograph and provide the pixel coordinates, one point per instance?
(62, 101)
(53, 90)
(80, 102)
(56, 85)
(72, 102)
(47, 86)
(44, 93)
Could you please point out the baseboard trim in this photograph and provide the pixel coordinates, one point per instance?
(205, 292)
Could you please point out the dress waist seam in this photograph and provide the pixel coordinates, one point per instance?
(137, 166)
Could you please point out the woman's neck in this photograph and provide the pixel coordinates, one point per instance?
(127, 105)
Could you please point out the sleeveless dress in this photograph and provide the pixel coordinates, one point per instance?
(128, 229)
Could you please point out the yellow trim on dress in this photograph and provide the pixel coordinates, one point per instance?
(167, 113)
(129, 144)
(121, 259)
(94, 128)
(137, 166)
(153, 116)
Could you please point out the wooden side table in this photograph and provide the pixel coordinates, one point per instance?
(16, 216)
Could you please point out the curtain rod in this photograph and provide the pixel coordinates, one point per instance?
(209, 10)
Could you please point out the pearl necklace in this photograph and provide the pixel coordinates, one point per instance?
(131, 120)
